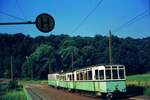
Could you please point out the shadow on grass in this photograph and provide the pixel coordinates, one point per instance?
(133, 90)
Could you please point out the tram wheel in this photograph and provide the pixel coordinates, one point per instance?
(109, 96)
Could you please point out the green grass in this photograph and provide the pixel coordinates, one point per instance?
(14, 95)
(142, 77)
(147, 92)
(140, 80)
(39, 81)
(11, 90)
(34, 81)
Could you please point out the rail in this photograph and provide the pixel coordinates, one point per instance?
(32, 95)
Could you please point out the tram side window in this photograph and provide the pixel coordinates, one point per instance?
(68, 78)
(57, 77)
(121, 74)
(85, 76)
(101, 74)
(77, 76)
(72, 76)
(96, 74)
(89, 75)
(64, 78)
(115, 74)
(81, 76)
(108, 74)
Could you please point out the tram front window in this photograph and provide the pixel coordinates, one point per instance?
(108, 74)
(96, 74)
(115, 74)
(101, 74)
(121, 74)
(89, 75)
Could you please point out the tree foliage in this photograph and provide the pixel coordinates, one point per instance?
(36, 57)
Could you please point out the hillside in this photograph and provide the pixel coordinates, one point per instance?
(53, 53)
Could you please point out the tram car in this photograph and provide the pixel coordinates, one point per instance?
(100, 79)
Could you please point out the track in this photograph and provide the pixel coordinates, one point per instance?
(34, 95)
(43, 92)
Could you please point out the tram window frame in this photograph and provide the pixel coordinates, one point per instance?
(89, 75)
(121, 75)
(121, 66)
(96, 74)
(108, 74)
(115, 74)
(107, 67)
(101, 73)
(114, 67)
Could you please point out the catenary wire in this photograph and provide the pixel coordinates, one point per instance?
(86, 17)
(21, 10)
(15, 17)
(131, 21)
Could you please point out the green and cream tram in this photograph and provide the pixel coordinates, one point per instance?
(104, 79)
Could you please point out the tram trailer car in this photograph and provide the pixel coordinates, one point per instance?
(53, 80)
(102, 79)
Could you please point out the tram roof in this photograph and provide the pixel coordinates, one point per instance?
(99, 65)
(89, 67)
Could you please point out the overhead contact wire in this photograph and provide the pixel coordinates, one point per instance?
(12, 16)
(131, 21)
(86, 17)
(21, 10)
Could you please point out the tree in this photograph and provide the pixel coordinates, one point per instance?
(67, 54)
(35, 62)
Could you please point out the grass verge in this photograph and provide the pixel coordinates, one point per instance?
(14, 95)
(34, 81)
(140, 80)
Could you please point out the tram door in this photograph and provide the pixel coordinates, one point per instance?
(99, 80)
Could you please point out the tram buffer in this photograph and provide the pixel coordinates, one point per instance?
(44, 23)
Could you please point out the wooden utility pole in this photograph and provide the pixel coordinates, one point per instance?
(11, 64)
(110, 48)
(31, 71)
(72, 60)
(49, 67)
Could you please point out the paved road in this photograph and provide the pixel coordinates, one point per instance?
(43, 92)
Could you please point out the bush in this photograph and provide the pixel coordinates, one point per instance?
(14, 95)
(147, 91)
(14, 85)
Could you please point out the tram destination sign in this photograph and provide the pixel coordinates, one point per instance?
(44, 23)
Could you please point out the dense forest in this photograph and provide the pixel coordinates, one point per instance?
(36, 57)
